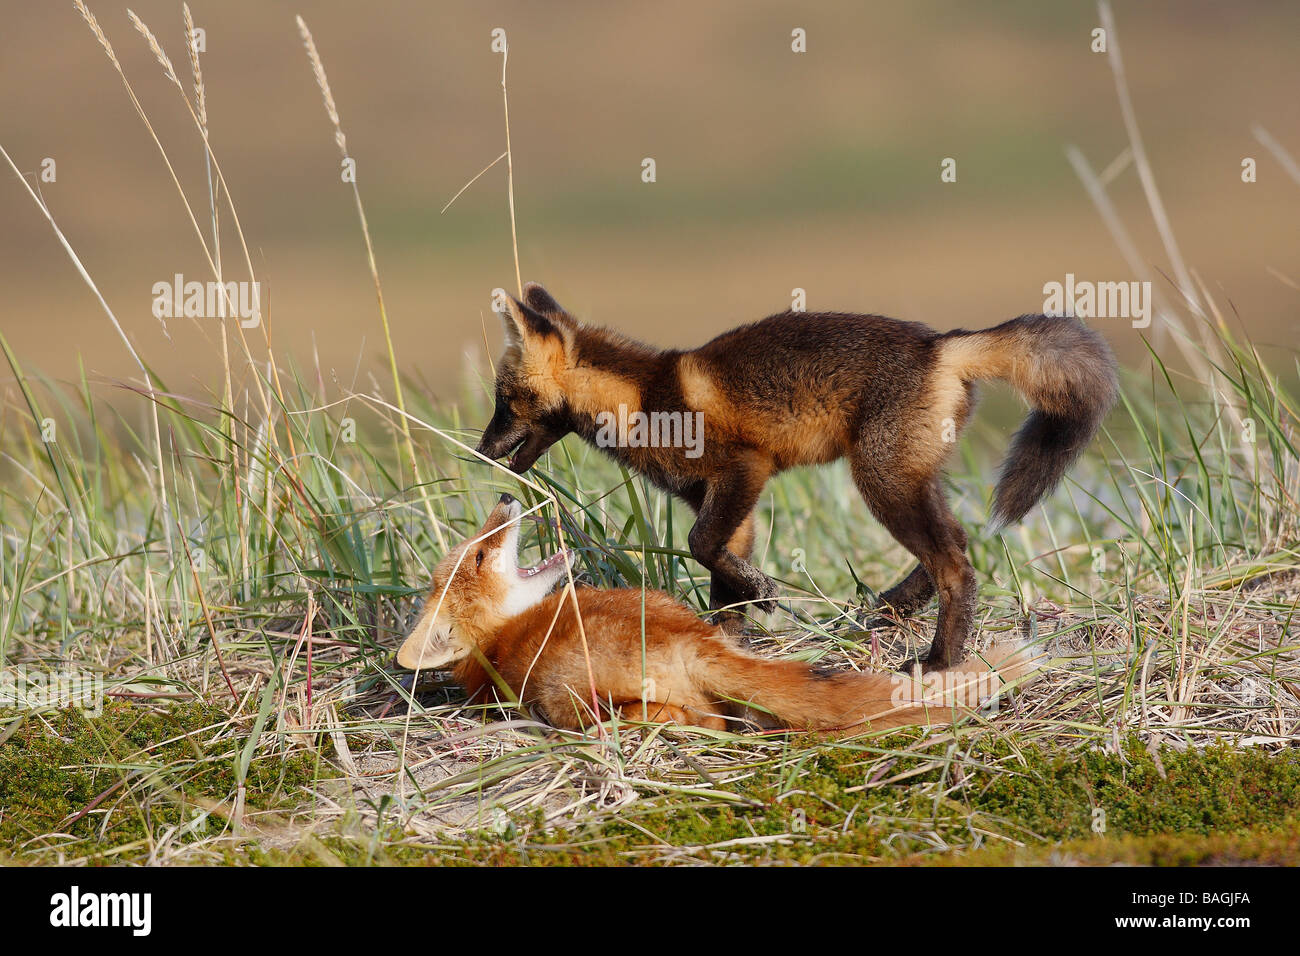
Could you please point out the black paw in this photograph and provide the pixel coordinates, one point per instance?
(910, 666)
(927, 664)
(899, 607)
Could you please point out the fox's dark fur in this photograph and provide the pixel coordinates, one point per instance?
(806, 389)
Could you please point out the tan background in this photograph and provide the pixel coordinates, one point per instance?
(775, 170)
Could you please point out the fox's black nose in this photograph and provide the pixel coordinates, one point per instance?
(506, 500)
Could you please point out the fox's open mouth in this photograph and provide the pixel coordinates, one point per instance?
(514, 450)
(513, 464)
(496, 449)
(559, 556)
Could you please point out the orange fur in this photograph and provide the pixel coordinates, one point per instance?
(649, 657)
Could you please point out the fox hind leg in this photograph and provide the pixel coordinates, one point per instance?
(919, 519)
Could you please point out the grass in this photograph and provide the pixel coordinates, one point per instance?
(237, 567)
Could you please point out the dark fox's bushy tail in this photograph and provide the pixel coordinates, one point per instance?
(1066, 372)
(795, 695)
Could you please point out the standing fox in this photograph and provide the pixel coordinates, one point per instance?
(807, 389)
(501, 627)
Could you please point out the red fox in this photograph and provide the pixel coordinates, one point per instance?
(807, 389)
(503, 628)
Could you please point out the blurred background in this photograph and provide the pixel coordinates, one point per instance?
(775, 170)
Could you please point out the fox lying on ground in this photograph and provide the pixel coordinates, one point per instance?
(505, 630)
(806, 389)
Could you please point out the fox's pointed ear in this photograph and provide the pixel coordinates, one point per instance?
(539, 300)
(514, 335)
(523, 324)
(432, 643)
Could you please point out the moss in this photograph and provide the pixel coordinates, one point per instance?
(1214, 790)
(900, 799)
(88, 785)
(1262, 846)
(1174, 808)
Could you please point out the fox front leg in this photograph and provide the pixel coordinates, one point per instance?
(725, 507)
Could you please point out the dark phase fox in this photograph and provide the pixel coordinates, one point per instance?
(807, 389)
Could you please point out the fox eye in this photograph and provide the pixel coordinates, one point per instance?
(479, 560)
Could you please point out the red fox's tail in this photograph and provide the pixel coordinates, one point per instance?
(1066, 371)
(801, 697)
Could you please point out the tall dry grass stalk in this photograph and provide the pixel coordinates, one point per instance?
(228, 421)
(212, 256)
(149, 384)
(201, 108)
(1149, 188)
(318, 68)
(1204, 353)
(510, 169)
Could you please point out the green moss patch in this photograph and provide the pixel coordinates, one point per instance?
(989, 805)
(91, 787)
